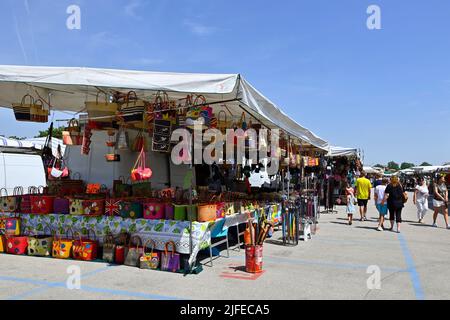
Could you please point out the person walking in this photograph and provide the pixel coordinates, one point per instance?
(440, 202)
(382, 208)
(421, 194)
(379, 180)
(351, 203)
(363, 190)
(395, 197)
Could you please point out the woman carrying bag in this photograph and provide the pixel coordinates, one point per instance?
(440, 202)
(395, 197)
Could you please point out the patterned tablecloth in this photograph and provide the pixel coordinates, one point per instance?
(160, 231)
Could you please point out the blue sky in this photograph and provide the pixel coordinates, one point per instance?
(385, 91)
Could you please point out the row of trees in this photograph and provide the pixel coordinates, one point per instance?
(392, 165)
(57, 133)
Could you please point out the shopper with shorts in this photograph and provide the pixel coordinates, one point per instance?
(382, 208)
(363, 190)
(440, 202)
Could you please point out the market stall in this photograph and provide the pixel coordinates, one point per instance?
(119, 182)
(343, 167)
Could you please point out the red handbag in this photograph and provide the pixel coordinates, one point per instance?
(119, 251)
(154, 210)
(119, 254)
(139, 171)
(93, 207)
(42, 204)
(25, 202)
(85, 249)
(16, 245)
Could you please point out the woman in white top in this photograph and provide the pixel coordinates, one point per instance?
(421, 194)
(382, 209)
(440, 201)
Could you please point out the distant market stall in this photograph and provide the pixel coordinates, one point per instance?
(343, 167)
(117, 184)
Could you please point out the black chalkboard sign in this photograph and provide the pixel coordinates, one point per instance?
(162, 130)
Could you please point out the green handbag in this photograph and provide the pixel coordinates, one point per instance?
(143, 189)
(40, 246)
(192, 212)
(180, 212)
(131, 209)
(185, 212)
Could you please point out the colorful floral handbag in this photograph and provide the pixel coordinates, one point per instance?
(62, 247)
(220, 210)
(76, 207)
(41, 246)
(131, 209)
(133, 253)
(16, 245)
(7, 203)
(10, 226)
(170, 261)
(154, 210)
(150, 260)
(41, 203)
(95, 207)
(85, 249)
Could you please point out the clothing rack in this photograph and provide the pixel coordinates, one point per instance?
(329, 197)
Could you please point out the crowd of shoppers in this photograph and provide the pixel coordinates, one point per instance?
(390, 197)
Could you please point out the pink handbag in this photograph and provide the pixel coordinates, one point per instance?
(154, 210)
(139, 171)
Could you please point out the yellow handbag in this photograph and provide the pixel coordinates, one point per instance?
(2, 243)
(62, 247)
(76, 207)
(99, 109)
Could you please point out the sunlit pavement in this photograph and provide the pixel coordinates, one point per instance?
(333, 265)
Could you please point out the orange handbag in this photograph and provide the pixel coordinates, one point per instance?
(85, 249)
(2, 243)
(206, 212)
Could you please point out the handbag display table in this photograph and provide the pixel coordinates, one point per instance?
(161, 231)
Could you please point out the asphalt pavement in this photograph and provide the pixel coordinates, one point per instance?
(339, 262)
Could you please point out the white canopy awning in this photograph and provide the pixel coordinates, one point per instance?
(342, 152)
(371, 170)
(67, 89)
(427, 169)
